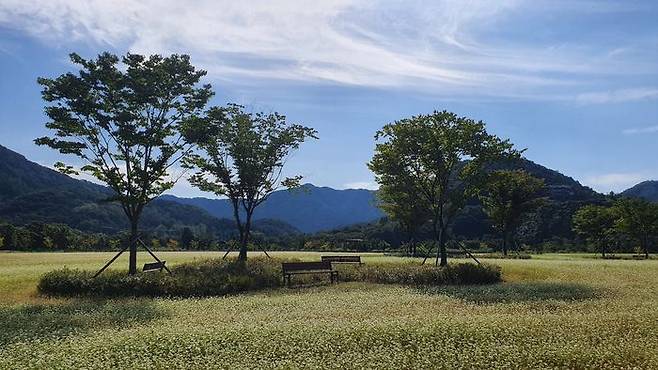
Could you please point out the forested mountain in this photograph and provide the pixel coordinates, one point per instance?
(309, 208)
(551, 223)
(32, 193)
(647, 190)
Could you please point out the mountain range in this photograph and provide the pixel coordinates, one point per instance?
(646, 190)
(309, 208)
(30, 192)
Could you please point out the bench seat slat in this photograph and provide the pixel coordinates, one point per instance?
(342, 259)
(154, 266)
(297, 268)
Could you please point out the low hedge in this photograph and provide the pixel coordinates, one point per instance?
(205, 278)
(417, 275)
(221, 277)
(515, 256)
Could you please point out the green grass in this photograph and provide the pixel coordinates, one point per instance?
(553, 311)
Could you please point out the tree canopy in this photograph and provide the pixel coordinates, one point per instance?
(398, 201)
(443, 157)
(596, 224)
(637, 218)
(506, 196)
(128, 119)
(242, 156)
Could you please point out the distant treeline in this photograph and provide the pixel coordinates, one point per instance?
(59, 237)
(378, 236)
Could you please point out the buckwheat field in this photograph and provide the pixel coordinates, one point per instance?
(552, 311)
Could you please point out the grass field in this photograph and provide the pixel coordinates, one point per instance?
(556, 311)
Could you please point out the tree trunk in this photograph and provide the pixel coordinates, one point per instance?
(441, 252)
(505, 243)
(244, 241)
(132, 260)
(410, 245)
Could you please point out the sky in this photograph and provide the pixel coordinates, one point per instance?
(574, 82)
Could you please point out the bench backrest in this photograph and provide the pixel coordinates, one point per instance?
(349, 259)
(154, 266)
(305, 266)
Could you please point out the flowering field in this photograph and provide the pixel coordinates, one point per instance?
(556, 311)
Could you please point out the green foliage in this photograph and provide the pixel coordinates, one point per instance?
(508, 195)
(421, 275)
(637, 218)
(128, 121)
(220, 277)
(125, 120)
(39, 236)
(187, 237)
(399, 202)
(596, 224)
(242, 158)
(440, 159)
(195, 279)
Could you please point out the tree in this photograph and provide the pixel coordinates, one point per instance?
(128, 122)
(596, 224)
(443, 156)
(398, 202)
(508, 195)
(242, 157)
(638, 219)
(187, 237)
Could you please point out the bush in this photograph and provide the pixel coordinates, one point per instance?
(205, 278)
(408, 274)
(221, 277)
(515, 256)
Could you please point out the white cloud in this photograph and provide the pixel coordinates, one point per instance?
(618, 96)
(361, 185)
(616, 182)
(641, 130)
(439, 46)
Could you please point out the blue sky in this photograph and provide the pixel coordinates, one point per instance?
(576, 82)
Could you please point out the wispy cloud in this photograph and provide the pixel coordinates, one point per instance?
(616, 182)
(361, 185)
(618, 96)
(445, 47)
(641, 130)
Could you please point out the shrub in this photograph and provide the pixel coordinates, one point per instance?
(221, 277)
(515, 256)
(205, 278)
(408, 274)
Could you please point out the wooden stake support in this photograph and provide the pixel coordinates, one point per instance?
(139, 241)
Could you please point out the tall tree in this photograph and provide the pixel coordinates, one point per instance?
(596, 224)
(638, 219)
(444, 157)
(128, 119)
(242, 157)
(508, 195)
(187, 237)
(399, 203)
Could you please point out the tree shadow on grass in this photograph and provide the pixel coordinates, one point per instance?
(518, 292)
(50, 321)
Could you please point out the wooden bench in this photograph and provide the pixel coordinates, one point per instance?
(342, 259)
(154, 266)
(298, 268)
